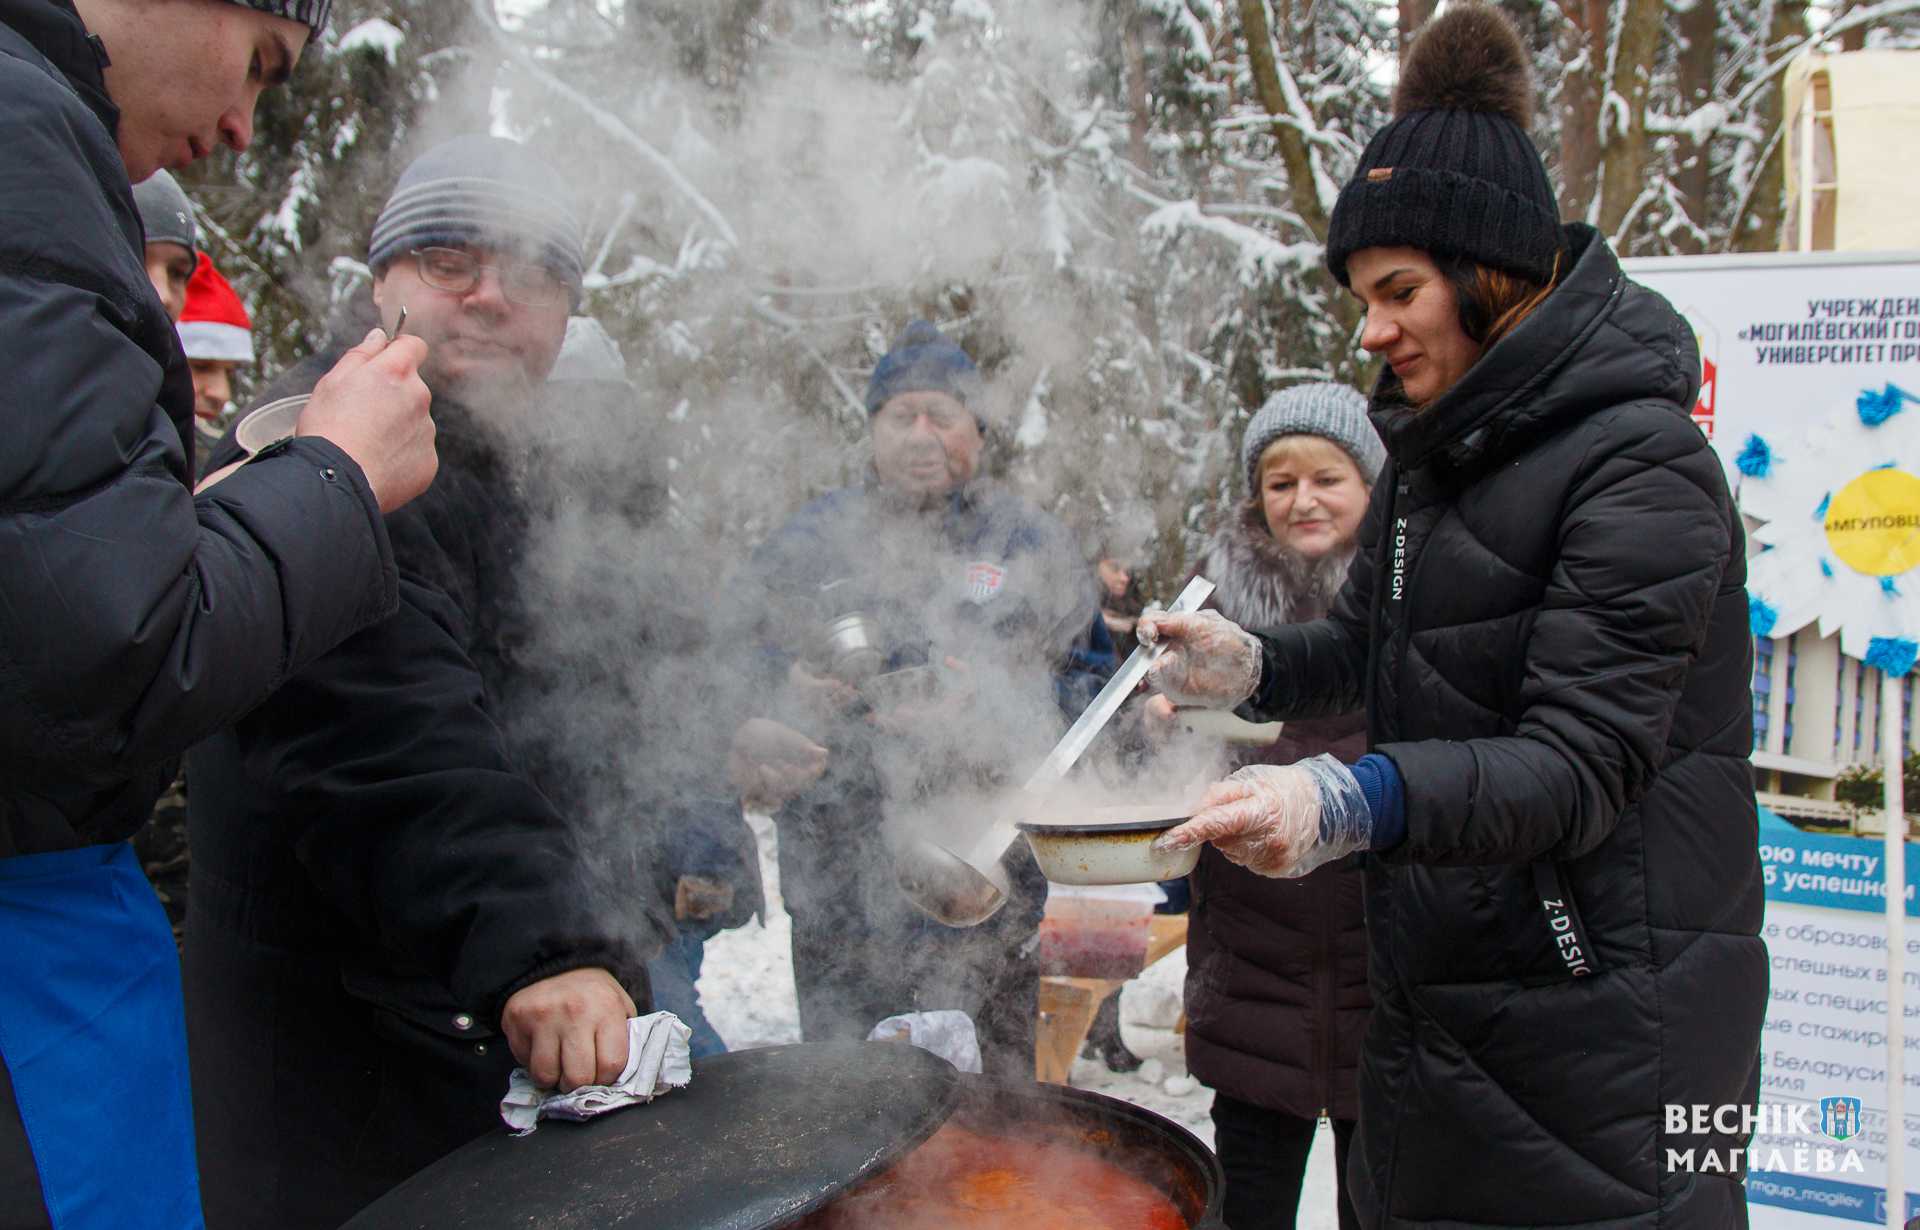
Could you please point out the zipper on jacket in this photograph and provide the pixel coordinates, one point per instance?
(1384, 552)
(1323, 1070)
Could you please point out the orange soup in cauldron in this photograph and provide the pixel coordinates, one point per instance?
(963, 1180)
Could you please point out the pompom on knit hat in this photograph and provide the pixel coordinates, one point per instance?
(309, 13)
(215, 324)
(1331, 411)
(924, 360)
(165, 213)
(487, 192)
(1455, 173)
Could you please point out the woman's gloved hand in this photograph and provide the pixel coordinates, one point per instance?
(1281, 820)
(1208, 660)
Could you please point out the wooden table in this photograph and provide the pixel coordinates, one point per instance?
(1068, 1005)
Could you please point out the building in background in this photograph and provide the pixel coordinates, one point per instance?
(1852, 132)
(1853, 139)
(1816, 714)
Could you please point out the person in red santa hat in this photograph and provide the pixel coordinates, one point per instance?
(217, 335)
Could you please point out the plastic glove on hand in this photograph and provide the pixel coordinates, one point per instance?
(1208, 660)
(1281, 820)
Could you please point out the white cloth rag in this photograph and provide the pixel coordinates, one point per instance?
(947, 1032)
(657, 1060)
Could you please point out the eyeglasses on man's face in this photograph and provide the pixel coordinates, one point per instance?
(456, 272)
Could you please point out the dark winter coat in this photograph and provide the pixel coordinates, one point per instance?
(377, 867)
(1276, 989)
(986, 579)
(136, 619)
(1548, 627)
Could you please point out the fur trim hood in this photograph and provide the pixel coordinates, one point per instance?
(1260, 583)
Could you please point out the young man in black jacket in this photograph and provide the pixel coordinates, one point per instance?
(387, 906)
(135, 618)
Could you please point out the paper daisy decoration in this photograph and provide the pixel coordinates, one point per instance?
(1841, 533)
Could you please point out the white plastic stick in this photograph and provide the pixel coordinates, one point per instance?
(1892, 749)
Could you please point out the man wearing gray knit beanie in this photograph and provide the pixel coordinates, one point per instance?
(480, 243)
(454, 842)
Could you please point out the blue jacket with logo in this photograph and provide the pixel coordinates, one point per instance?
(984, 580)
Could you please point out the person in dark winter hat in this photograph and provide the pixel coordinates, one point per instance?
(926, 412)
(983, 618)
(1455, 173)
(1276, 988)
(138, 617)
(167, 218)
(1547, 625)
(923, 359)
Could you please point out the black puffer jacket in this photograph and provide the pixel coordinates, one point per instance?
(1548, 627)
(378, 863)
(135, 619)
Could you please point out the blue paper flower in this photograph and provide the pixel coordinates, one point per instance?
(1755, 459)
(1877, 408)
(1893, 655)
(1760, 616)
(1888, 588)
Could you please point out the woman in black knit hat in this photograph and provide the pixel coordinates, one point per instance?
(1547, 625)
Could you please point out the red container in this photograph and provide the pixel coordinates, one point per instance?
(1096, 932)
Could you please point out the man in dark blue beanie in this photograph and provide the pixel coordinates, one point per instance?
(923, 359)
(976, 603)
(925, 401)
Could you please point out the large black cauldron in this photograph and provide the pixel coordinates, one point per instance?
(764, 1137)
(1147, 1146)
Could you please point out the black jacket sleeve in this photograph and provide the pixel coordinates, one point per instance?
(414, 820)
(1319, 669)
(134, 619)
(1646, 534)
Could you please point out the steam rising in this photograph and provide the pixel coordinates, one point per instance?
(755, 263)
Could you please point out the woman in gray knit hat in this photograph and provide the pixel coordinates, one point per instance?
(1276, 989)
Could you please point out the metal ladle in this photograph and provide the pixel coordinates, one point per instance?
(965, 887)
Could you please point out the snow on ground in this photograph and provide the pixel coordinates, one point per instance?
(746, 987)
(746, 981)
